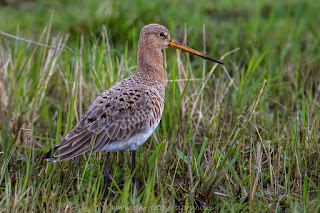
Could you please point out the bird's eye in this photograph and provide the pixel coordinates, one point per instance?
(161, 34)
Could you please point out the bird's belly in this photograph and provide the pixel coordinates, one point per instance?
(131, 143)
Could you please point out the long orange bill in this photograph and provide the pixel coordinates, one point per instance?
(180, 46)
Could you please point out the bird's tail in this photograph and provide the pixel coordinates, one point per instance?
(49, 155)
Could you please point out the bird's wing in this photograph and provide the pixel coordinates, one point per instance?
(115, 115)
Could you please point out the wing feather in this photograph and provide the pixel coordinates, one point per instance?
(115, 115)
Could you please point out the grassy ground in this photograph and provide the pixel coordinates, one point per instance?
(252, 145)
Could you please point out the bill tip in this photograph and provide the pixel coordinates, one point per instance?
(213, 59)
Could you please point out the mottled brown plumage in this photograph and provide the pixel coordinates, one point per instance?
(121, 112)
(125, 115)
(129, 109)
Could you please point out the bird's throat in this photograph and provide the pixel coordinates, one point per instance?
(150, 64)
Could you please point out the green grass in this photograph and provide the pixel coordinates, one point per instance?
(252, 146)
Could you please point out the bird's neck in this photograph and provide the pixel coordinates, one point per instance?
(150, 64)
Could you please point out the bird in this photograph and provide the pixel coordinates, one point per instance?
(125, 115)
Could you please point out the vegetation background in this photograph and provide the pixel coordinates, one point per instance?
(246, 144)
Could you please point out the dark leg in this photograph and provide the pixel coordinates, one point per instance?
(135, 176)
(106, 177)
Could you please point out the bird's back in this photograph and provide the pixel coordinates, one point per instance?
(122, 117)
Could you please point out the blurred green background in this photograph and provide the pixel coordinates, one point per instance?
(229, 23)
(286, 26)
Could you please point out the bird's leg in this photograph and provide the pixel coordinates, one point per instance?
(135, 176)
(106, 177)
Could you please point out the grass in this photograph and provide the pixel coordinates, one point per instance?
(248, 146)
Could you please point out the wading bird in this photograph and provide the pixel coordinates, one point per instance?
(125, 115)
